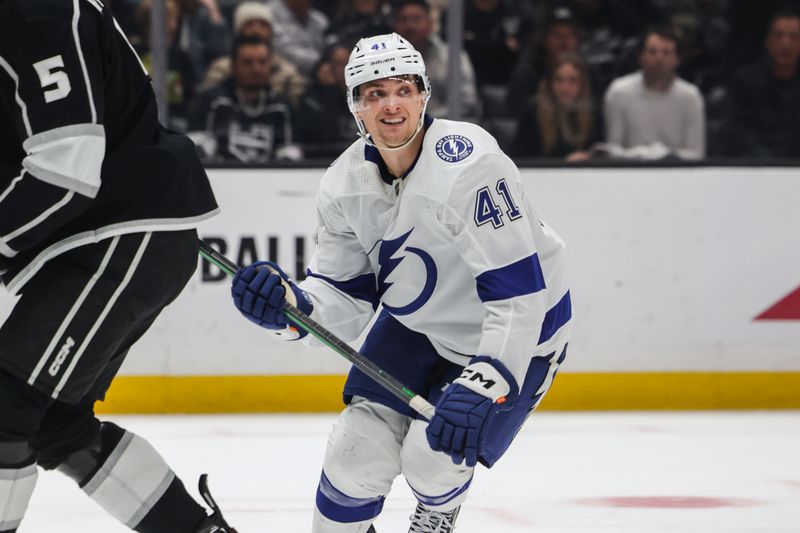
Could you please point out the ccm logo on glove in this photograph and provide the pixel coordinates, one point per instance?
(467, 407)
(486, 380)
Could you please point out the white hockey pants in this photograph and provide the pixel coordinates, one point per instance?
(371, 444)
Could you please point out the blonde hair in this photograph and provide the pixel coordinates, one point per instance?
(574, 123)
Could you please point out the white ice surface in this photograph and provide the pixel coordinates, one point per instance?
(264, 470)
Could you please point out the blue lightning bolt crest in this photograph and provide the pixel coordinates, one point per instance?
(388, 263)
(453, 148)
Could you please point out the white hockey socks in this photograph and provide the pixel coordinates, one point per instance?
(16, 487)
(131, 480)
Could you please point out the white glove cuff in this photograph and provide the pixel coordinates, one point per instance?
(484, 379)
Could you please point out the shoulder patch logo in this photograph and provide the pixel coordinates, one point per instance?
(453, 148)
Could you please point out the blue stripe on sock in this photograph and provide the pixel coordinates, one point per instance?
(339, 507)
(433, 501)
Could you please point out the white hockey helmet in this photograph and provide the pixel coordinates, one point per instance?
(383, 56)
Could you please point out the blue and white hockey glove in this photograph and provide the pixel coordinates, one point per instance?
(466, 408)
(259, 292)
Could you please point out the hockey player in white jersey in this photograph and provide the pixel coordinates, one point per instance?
(429, 220)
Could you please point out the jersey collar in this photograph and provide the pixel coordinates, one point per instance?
(373, 155)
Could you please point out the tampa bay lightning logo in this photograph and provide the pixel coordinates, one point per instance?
(453, 148)
(388, 263)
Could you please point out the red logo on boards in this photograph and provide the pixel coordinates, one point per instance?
(787, 308)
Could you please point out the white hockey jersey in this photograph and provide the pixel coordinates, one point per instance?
(454, 250)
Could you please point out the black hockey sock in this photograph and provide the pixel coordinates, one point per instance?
(175, 512)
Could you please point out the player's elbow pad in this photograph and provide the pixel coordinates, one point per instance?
(69, 157)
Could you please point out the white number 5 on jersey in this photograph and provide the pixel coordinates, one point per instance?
(49, 76)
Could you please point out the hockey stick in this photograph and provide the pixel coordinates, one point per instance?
(300, 319)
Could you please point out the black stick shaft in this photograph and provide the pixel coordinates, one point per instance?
(300, 319)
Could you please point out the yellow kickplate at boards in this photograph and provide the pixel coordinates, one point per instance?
(570, 392)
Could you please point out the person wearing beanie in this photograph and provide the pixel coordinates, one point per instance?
(254, 19)
(248, 12)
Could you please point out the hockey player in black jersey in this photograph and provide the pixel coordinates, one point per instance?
(98, 206)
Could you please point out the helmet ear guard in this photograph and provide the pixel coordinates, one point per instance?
(379, 57)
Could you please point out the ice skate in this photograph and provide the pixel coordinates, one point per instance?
(426, 521)
(216, 522)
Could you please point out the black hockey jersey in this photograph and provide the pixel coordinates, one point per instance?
(228, 129)
(82, 155)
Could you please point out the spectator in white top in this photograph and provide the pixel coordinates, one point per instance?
(652, 113)
(299, 33)
(412, 19)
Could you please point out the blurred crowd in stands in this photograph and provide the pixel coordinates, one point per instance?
(261, 81)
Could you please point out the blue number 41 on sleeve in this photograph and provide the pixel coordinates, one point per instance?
(487, 209)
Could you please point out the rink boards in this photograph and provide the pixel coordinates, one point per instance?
(685, 284)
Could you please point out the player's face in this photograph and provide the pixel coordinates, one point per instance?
(391, 108)
(783, 41)
(566, 84)
(659, 57)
